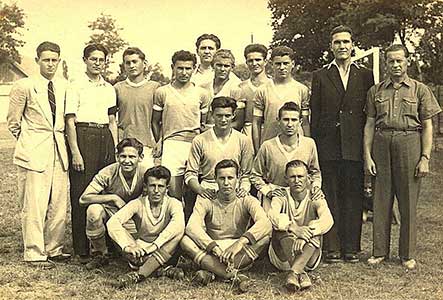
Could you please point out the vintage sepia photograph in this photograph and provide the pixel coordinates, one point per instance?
(248, 149)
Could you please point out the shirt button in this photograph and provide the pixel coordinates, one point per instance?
(341, 111)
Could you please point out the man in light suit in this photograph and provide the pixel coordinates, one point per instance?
(36, 119)
(337, 121)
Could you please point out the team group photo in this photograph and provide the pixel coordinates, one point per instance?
(303, 167)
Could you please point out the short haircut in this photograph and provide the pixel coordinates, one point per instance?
(130, 142)
(289, 106)
(223, 53)
(47, 46)
(396, 47)
(226, 163)
(159, 172)
(94, 47)
(282, 51)
(133, 50)
(256, 48)
(296, 163)
(223, 102)
(207, 36)
(339, 29)
(183, 55)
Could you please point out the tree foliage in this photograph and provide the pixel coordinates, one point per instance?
(431, 54)
(304, 25)
(11, 21)
(106, 32)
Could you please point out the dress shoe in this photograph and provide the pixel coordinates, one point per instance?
(43, 264)
(64, 257)
(375, 260)
(410, 264)
(351, 258)
(332, 257)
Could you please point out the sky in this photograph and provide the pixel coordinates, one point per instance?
(158, 27)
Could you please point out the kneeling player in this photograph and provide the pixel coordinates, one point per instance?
(160, 226)
(299, 220)
(217, 235)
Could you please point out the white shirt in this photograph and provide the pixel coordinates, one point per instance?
(344, 75)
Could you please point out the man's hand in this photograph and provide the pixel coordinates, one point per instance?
(157, 150)
(77, 162)
(119, 202)
(217, 251)
(278, 192)
(302, 232)
(229, 254)
(135, 251)
(370, 167)
(241, 193)
(207, 193)
(297, 247)
(422, 168)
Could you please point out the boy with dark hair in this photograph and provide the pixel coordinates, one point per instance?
(206, 46)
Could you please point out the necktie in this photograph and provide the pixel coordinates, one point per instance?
(51, 99)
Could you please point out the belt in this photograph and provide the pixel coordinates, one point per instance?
(417, 129)
(91, 125)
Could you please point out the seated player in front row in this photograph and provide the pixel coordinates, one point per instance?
(110, 190)
(160, 224)
(217, 235)
(299, 220)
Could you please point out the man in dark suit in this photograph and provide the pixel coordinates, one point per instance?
(337, 121)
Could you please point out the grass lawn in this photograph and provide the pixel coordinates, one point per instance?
(339, 281)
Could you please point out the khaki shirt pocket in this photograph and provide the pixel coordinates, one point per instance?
(382, 106)
(409, 106)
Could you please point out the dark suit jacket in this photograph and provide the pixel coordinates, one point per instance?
(337, 116)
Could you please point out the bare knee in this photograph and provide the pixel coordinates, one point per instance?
(95, 213)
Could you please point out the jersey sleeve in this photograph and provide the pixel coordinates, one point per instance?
(259, 102)
(159, 99)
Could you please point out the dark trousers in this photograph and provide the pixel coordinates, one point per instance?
(97, 149)
(396, 154)
(343, 188)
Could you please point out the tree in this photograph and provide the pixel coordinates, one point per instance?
(107, 33)
(431, 53)
(11, 20)
(304, 25)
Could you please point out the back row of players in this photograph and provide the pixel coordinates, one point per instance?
(191, 126)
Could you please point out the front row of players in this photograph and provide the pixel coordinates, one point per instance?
(225, 234)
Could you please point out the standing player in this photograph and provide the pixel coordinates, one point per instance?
(179, 112)
(91, 131)
(268, 173)
(299, 220)
(110, 190)
(35, 119)
(135, 100)
(207, 45)
(255, 55)
(337, 121)
(271, 96)
(218, 143)
(218, 237)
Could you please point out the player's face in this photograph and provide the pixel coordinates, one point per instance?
(255, 62)
(341, 45)
(396, 63)
(206, 51)
(223, 117)
(226, 179)
(183, 71)
(129, 159)
(48, 63)
(297, 178)
(133, 65)
(95, 62)
(155, 189)
(282, 66)
(289, 122)
(222, 68)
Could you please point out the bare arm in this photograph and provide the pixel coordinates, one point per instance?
(156, 124)
(113, 128)
(368, 139)
(71, 134)
(422, 168)
(256, 132)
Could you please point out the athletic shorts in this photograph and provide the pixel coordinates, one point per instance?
(175, 156)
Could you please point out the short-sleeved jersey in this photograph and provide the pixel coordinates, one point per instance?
(268, 101)
(181, 111)
(270, 163)
(402, 108)
(199, 78)
(110, 180)
(135, 103)
(248, 91)
(90, 101)
(230, 89)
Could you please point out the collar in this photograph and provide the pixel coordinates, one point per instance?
(334, 63)
(198, 70)
(133, 84)
(101, 81)
(406, 81)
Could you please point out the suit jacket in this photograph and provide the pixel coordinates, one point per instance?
(30, 120)
(337, 116)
